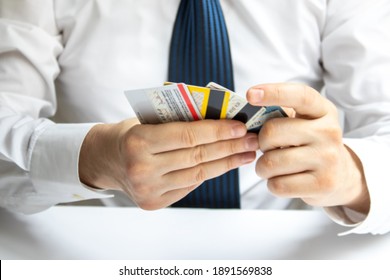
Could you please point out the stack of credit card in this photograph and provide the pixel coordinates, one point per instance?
(181, 102)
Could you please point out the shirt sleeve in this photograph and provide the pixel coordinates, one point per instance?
(38, 158)
(356, 60)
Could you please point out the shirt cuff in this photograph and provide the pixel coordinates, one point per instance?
(345, 217)
(374, 155)
(54, 165)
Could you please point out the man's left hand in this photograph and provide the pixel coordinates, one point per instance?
(304, 155)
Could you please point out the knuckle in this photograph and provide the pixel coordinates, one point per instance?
(323, 183)
(272, 127)
(136, 172)
(332, 158)
(200, 174)
(199, 154)
(267, 132)
(265, 165)
(232, 162)
(334, 134)
(329, 157)
(231, 147)
(188, 136)
(219, 132)
(134, 142)
(277, 187)
(141, 186)
(326, 184)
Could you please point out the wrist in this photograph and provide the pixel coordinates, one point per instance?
(99, 159)
(90, 153)
(359, 198)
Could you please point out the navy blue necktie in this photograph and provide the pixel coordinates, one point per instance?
(200, 53)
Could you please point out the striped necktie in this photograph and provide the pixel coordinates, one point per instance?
(200, 53)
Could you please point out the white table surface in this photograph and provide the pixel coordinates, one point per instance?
(80, 232)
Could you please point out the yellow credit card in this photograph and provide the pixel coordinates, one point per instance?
(212, 103)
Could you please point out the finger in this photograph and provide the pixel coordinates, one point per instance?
(303, 99)
(287, 161)
(166, 199)
(189, 157)
(178, 135)
(175, 195)
(299, 185)
(205, 171)
(286, 132)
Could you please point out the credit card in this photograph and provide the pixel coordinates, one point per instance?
(212, 103)
(270, 112)
(253, 116)
(163, 104)
(181, 102)
(235, 103)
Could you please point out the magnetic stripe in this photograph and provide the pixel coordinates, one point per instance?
(214, 106)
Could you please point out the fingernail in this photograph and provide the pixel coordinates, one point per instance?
(256, 96)
(252, 143)
(238, 130)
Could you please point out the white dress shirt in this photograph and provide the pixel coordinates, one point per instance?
(64, 66)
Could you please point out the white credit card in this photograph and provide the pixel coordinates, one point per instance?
(163, 104)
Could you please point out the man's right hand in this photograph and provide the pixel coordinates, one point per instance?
(157, 165)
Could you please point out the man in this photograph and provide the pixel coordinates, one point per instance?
(65, 65)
